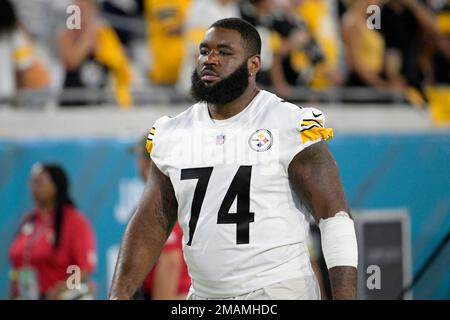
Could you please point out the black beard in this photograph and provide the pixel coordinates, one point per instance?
(224, 91)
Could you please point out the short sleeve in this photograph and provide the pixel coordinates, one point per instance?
(84, 252)
(306, 127)
(156, 147)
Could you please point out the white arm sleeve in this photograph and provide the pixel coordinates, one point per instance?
(339, 243)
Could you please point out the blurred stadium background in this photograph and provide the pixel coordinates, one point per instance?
(392, 122)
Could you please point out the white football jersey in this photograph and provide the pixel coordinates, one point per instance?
(243, 228)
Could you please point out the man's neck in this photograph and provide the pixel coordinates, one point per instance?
(230, 109)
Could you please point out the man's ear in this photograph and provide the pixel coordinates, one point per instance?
(253, 65)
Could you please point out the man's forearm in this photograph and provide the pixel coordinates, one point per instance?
(315, 178)
(343, 282)
(340, 250)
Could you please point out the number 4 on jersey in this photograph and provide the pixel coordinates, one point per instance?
(239, 187)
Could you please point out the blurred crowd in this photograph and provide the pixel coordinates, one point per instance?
(395, 50)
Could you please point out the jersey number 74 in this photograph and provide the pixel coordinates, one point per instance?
(239, 187)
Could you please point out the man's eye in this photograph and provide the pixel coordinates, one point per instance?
(203, 52)
(224, 53)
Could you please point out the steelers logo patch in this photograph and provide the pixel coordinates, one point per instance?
(260, 140)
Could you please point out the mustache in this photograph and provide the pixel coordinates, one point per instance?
(208, 71)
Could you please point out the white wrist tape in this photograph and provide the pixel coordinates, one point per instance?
(339, 240)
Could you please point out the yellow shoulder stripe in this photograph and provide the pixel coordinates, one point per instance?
(149, 146)
(315, 133)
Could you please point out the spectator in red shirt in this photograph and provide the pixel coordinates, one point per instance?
(54, 241)
(169, 279)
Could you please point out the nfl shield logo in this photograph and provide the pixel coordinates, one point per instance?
(220, 139)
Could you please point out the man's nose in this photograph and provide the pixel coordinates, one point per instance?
(212, 58)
